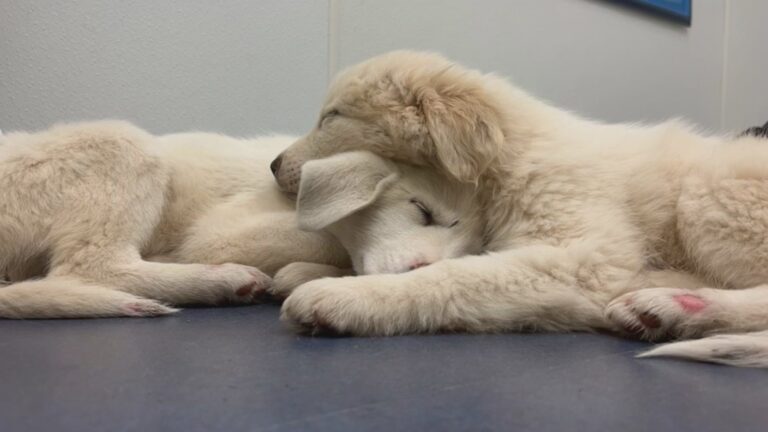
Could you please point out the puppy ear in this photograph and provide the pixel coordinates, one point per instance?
(333, 188)
(466, 132)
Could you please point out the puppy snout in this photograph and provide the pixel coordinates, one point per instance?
(275, 165)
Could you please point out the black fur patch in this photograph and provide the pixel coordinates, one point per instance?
(757, 131)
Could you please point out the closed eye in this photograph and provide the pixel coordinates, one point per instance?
(426, 213)
(330, 114)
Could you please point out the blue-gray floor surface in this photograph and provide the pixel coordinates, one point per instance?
(240, 369)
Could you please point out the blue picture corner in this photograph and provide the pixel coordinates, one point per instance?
(678, 10)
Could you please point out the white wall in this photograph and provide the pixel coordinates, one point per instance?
(237, 66)
(245, 66)
(746, 73)
(598, 59)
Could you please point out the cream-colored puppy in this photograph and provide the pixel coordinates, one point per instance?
(657, 231)
(391, 218)
(123, 223)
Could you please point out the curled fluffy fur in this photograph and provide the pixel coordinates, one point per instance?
(104, 219)
(654, 231)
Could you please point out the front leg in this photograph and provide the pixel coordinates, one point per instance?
(288, 278)
(532, 288)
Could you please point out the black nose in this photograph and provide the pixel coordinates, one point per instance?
(275, 165)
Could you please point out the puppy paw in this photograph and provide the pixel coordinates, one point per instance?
(664, 313)
(242, 284)
(357, 305)
(296, 274)
(322, 308)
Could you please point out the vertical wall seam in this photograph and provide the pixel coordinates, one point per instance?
(724, 71)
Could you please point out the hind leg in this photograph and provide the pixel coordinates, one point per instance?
(677, 313)
(108, 192)
(177, 284)
(102, 247)
(70, 298)
(723, 226)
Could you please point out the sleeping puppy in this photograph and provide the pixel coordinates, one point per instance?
(657, 232)
(390, 217)
(103, 219)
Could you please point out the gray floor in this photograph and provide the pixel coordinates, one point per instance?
(239, 369)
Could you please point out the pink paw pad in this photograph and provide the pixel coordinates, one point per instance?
(690, 303)
(245, 289)
(135, 309)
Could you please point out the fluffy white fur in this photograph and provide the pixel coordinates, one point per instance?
(655, 231)
(123, 223)
(391, 218)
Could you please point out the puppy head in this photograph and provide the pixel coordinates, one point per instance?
(390, 217)
(417, 108)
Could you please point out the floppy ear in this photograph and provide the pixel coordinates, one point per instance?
(333, 188)
(465, 129)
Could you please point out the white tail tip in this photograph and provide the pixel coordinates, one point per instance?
(743, 350)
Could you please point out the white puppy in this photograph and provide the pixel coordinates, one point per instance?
(659, 231)
(123, 223)
(391, 218)
(84, 204)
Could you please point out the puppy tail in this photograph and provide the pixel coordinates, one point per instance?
(744, 350)
(70, 298)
